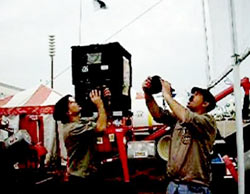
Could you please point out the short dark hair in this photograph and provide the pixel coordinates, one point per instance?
(61, 109)
(208, 97)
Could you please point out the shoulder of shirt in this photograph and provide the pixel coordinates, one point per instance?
(87, 119)
(211, 119)
(204, 115)
(70, 125)
(209, 116)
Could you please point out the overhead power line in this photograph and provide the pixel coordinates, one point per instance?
(132, 21)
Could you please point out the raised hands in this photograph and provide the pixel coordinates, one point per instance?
(106, 93)
(146, 85)
(95, 96)
(166, 87)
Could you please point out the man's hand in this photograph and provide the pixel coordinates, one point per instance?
(166, 88)
(177, 109)
(146, 85)
(106, 93)
(95, 96)
(101, 123)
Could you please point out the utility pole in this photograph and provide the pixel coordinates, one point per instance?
(52, 54)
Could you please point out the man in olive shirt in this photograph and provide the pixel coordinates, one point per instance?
(78, 133)
(192, 137)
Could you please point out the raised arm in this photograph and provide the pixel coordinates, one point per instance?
(152, 105)
(177, 109)
(101, 123)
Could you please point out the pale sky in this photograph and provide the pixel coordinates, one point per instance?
(164, 37)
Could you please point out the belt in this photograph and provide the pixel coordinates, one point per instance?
(189, 183)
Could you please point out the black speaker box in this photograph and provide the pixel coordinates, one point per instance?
(98, 66)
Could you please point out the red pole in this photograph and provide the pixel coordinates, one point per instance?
(157, 134)
(224, 93)
(244, 83)
(122, 152)
(230, 167)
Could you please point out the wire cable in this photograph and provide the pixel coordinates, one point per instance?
(80, 23)
(114, 34)
(132, 21)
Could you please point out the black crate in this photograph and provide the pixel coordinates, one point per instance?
(98, 66)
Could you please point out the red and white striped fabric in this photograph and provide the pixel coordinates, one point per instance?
(37, 100)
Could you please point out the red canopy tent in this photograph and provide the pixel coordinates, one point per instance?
(32, 110)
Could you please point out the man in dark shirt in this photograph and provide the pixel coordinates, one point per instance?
(192, 137)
